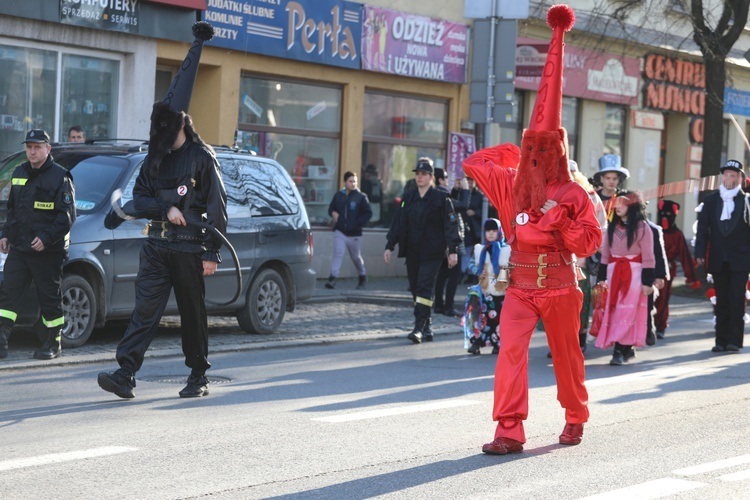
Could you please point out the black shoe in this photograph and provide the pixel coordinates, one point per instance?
(474, 349)
(438, 309)
(415, 337)
(549, 354)
(452, 313)
(197, 386)
(650, 338)
(362, 282)
(427, 331)
(617, 359)
(718, 348)
(628, 355)
(660, 335)
(117, 383)
(51, 347)
(732, 348)
(331, 283)
(4, 334)
(496, 350)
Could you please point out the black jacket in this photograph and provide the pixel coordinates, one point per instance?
(190, 179)
(41, 203)
(720, 241)
(431, 220)
(353, 209)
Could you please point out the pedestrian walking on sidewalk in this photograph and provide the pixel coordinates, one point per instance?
(350, 211)
(424, 228)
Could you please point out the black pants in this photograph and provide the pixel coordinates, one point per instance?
(160, 270)
(45, 269)
(446, 285)
(422, 274)
(730, 289)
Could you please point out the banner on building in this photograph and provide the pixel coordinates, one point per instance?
(120, 15)
(319, 31)
(736, 102)
(416, 46)
(587, 74)
(460, 147)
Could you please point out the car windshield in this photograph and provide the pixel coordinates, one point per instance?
(94, 177)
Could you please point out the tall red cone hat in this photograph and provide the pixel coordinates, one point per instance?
(547, 114)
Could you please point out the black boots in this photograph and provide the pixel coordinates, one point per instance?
(51, 347)
(197, 386)
(4, 335)
(119, 383)
(416, 334)
(362, 281)
(331, 283)
(427, 331)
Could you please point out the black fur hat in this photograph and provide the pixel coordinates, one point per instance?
(168, 115)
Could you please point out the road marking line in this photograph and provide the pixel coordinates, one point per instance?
(712, 466)
(736, 476)
(399, 410)
(651, 489)
(55, 458)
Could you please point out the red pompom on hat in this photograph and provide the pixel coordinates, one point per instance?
(547, 114)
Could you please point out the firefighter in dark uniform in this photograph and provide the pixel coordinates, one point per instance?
(179, 182)
(36, 236)
(424, 228)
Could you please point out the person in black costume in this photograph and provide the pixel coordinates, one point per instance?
(423, 228)
(41, 211)
(178, 183)
(722, 242)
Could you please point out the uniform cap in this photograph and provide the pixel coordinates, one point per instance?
(36, 135)
(424, 165)
(732, 165)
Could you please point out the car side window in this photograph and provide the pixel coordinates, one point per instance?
(127, 193)
(261, 187)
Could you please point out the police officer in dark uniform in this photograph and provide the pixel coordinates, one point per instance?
(179, 182)
(41, 211)
(423, 228)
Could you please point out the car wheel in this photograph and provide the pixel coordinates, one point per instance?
(266, 304)
(79, 309)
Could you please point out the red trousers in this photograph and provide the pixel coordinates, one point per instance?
(518, 319)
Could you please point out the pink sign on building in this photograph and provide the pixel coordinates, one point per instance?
(588, 74)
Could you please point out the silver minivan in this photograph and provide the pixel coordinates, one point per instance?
(268, 227)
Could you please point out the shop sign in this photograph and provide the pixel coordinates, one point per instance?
(587, 74)
(460, 147)
(672, 84)
(416, 46)
(319, 31)
(647, 119)
(736, 102)
(188, 4)
(112, 15)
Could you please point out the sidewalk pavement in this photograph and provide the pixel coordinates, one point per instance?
(383, 310)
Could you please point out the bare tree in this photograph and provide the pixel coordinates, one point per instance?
(715, 43)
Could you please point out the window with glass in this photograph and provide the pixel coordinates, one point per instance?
(398, 130)
(89, 94)
(614, 130)
(512, 131)
(570, 122)
(299, 125)
(87, 88)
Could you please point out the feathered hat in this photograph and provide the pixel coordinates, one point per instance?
(168, 114)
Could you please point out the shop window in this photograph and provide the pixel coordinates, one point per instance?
(89, 96)
(570, 122)
(298, 125)
(614, 130)
(27, 94)
(512, 131)
(87, 88)
(398, 129)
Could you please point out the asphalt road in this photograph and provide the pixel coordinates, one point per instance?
(350, 409)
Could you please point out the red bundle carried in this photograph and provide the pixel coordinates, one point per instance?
(598, 301)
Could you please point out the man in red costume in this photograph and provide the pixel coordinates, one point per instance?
(550, 221)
